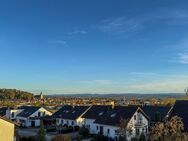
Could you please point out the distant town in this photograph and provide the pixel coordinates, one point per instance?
(121, 117)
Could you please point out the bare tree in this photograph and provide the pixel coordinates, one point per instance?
(169, 130)
(123, 129)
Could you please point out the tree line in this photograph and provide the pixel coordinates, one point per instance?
(10, 94)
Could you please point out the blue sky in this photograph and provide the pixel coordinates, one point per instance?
(94, 46)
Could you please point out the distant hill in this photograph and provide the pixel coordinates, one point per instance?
(117, 95)
(10, 94)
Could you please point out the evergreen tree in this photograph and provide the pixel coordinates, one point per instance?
(41, 133)
(142, 137)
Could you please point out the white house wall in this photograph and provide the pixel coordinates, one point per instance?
(28, 121)
(10, 111)
(41, 110)
(6, 131)
(21, 119)
(89, 123)
(142, 129)
(113, 130)
(68, 122)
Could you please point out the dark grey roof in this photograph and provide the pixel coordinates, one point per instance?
(3, 111)
(113, 116)
(151, 111)
(70, 112)
(180, 109)
(95, 111)
(27, 110)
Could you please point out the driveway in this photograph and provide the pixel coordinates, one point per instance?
(28, 132)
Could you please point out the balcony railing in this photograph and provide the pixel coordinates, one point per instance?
(139, 124)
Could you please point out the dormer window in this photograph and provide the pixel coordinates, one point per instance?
(101, 113)
(113, 115)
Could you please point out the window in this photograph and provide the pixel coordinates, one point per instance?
(58, 121)
(62, 122)
(116, 132)
(12, 114)
(113, 115)
(67, 122)
(72, 122)
(146, 130)
(97, 127)
(101, 113)
(137, 131)
(38, 114)
(134, 117)
(108, 131)
(88, 126)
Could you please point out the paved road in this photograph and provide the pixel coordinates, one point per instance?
(28, 132)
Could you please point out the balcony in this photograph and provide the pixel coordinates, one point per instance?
(139, 124)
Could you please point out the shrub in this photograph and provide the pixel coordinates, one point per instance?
(84, 132)
(67, 130)
(61, 138)
(52, 129)
(142, 137)
(100, 138)
(41, 133)
(76, 128)
(122, 138)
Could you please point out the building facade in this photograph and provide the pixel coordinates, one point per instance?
(6, 130)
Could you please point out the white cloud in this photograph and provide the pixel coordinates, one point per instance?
(183, 58)
(165, 84)
(76, 32)
(179, 52)
(172, 16)
(125, 24)
(143, 74)
(59, 42)
(100, 82)
(159, 86)
(120, 24)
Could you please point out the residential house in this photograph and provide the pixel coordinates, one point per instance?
(6, 130)
(92, 114)
(70, 115)
(109, 124)
(11, 113)
(156, 113)
(31, 116)
(180, 109)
